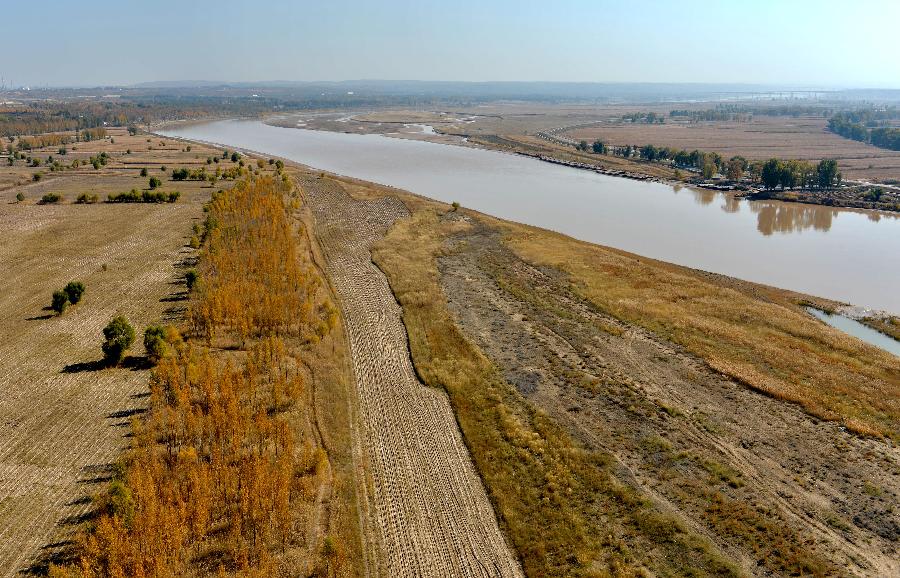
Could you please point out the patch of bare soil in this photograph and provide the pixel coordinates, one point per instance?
(428, 512)
(775, 488)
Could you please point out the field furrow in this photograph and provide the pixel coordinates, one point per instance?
(429, 510)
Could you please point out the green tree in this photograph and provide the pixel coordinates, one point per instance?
(59, 302)
(771, 173)
(144, 172)
(20, 196)
(74, 291)
(118, 337)
(599, 147)
(827, 174)
(190, 279)
(155, 182)
(155, 342)
(788, 175)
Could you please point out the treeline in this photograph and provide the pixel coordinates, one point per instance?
(706, 163)
(217, 479)
(771, 174)
(644, 117)
(791, 174)
(743, 113)
(868, 126)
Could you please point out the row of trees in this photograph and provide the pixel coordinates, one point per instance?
(772, 174)
(743, 112)
(791, 174)
(866, 128)
(218, 479)
(707, 163)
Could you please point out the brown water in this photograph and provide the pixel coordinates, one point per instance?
(849, 256)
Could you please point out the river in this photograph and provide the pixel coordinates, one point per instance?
(845, 255)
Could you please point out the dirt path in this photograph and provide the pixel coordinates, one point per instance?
(63, 421)
(429, 514)
(742, 468)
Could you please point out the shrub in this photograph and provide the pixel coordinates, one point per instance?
(155, 182)
(180, 174)
(144, 172)
(173, 196)
(190, 279)
(161, 342)
(235, 157)
(59, 302)
(132, 196)
(20, 196)
(74, 291)
(118, 337)
(36, 177)
(63, 151)
(86, 199)
(50, 198)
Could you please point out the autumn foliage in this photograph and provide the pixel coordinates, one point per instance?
(253, 283)
(218, 473)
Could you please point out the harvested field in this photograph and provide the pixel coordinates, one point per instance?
(63, 420)
(428, 513)
(762, 138)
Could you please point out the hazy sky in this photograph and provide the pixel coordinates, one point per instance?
(821, 43)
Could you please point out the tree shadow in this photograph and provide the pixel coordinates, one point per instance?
(181, 296)
(42, 317)
(132, 362)
(85, 366)
(61, 553)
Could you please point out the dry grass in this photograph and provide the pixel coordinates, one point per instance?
(762, 138)
(773, 347)
(561, 505)
(887, 325)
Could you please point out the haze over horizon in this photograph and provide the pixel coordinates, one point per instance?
(692, 41)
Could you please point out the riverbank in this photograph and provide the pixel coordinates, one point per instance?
(554, 146)
(755, 240)
(624, 412)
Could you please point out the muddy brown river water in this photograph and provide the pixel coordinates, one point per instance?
(845, 255)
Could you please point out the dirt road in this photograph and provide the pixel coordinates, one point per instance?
(429, 514)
